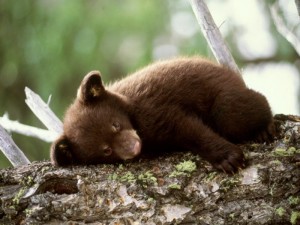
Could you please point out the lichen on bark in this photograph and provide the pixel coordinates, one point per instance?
(175, 189)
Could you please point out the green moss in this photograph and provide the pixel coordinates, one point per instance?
(28, 212)
(294, 200)
(128, 177)
(286, 152)
(147, 178)
(232, 215)
(29, 181)
(184, 168)
(280, 211)
(18, 196)
(281, 152)
(294, 217)
(272, 190)
(211, 176)
(45, 168)
(255, 145)
(121, 167)
(229, 183)
(150, 200)
(113, 176)
(276, 162)
(174, 186)
(176, 174)
(293, 150)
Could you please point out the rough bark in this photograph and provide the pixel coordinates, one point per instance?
(175, 189)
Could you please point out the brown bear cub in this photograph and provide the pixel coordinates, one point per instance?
(184, 104)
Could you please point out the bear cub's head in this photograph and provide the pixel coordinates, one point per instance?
(97, 127)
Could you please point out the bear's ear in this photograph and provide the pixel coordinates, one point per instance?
(91, 87)
(61, 152)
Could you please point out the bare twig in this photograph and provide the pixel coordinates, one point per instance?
(11, 150)
(15, 126)
(213, 35)
(283, 29)
(42, 111)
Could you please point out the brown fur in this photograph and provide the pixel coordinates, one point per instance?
(180, 104)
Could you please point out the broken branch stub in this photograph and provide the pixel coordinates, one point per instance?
(42, 111)
(11, 150)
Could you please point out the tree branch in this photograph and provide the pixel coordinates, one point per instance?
(15, 126)
(213, 35)
(11, 150)
(43, 112)
(283, 29)
(175, 189)
(179, 188)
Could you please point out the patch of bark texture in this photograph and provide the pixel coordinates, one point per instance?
(175, 189)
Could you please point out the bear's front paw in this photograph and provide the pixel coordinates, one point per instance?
(267, 135)
(230, 160)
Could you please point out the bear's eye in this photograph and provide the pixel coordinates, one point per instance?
(116, 126)
(107, 151)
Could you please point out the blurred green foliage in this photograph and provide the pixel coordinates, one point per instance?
(49, 45)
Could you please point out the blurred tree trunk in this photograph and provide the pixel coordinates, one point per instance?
(297, 2)
(175, 189)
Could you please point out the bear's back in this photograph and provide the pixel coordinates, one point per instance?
(187, 81)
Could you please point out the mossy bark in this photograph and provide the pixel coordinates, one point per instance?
(176, 189)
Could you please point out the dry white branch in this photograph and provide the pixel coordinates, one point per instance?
(213, 35)
(11, 150)
(42, 111)
(284, 30)
(15, 126)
